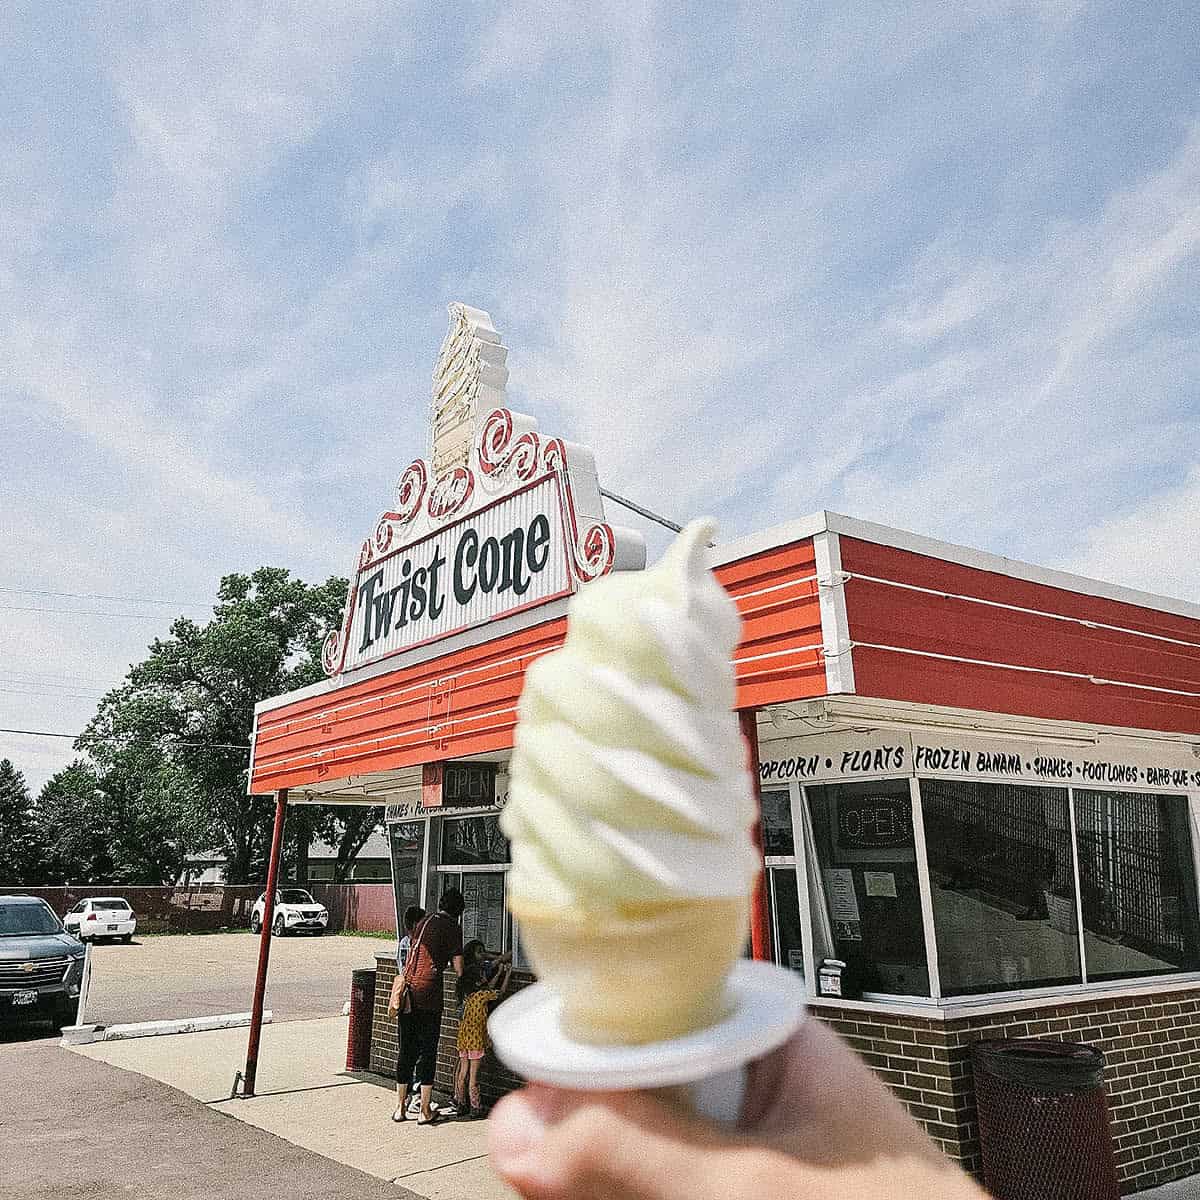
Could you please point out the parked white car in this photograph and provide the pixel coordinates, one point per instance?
(101, 917)
(295, 912)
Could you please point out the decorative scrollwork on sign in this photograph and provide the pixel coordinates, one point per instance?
(494, 440)
(504, 458)
(450, 492)
(410, 491)
(594, 551)
(554, 455)
(366, 554)
(331, 652)
(384, 532)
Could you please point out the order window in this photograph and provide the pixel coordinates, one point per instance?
(866, 893)
(1002, 878)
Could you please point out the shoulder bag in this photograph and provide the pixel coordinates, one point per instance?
(401, 997)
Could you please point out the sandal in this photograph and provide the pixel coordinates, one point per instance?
(432, 1119)
(399, 1115)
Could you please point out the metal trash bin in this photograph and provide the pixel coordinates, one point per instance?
(362, 1013)
(1043, 1120)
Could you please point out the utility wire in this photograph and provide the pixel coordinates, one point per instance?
(84, 612)
(188, 745)
(98, 596)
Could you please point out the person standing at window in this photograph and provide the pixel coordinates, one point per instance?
(413, 915)
(436, 941)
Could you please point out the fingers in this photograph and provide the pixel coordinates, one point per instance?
(816, 1099)
(551, 1144)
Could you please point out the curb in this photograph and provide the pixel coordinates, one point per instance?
(82, 1035)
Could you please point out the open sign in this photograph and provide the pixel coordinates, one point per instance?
(874, 823)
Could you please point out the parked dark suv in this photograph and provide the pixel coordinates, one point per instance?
(40, 963)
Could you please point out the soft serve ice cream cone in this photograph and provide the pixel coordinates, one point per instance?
(630, 805)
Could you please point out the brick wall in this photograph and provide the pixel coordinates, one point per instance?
(494, 1078)
(1152, 1078)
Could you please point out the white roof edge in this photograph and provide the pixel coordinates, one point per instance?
(486, 632)
(768, 539)
(900, 539)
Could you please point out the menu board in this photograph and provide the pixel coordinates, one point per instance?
(483, 916)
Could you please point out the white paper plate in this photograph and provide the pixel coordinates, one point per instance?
(767, 1007)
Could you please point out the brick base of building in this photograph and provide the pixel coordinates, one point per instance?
(1152, 1080)
(1151, 1045)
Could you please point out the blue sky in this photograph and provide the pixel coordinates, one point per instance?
(933, 265)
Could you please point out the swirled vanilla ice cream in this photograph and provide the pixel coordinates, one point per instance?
(630, 805)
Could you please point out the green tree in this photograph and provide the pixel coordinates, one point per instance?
(75, 827)
(171, 745)
(21, 853)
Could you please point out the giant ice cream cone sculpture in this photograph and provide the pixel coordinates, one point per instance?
(630, 805)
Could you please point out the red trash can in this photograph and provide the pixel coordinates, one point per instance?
(1043, 1120)
(362, 1011)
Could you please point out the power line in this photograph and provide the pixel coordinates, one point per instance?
(99, 596)
(40, 676)
(83, 612)
(60, 695)
(47, 733)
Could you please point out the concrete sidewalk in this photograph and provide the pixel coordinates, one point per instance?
(306, 1097)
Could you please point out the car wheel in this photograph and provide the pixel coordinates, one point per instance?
(278, 927)
(255, 923)
(127, 938)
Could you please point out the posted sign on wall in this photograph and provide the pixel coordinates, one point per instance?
(495, 562)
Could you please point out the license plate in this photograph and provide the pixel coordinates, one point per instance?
(24, 997)
(112, 929)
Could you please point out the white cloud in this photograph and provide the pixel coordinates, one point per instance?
(1155, 546)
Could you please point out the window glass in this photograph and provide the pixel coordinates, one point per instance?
(1138, 883)
(472, 841)
(520, 958)
(484, 915)
(777, 824)
(407, 845)
(1003, 885)
(785, 919)
(868, 905)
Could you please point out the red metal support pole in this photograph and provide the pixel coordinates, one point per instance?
(760, 930)
(264, 947)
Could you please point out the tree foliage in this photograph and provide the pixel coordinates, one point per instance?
(170, 746)
(20, 847)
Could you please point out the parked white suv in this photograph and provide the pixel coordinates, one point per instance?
(295, 912)
(101, 917)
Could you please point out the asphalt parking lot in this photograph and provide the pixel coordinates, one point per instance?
(179, 975)
(84, 1130)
